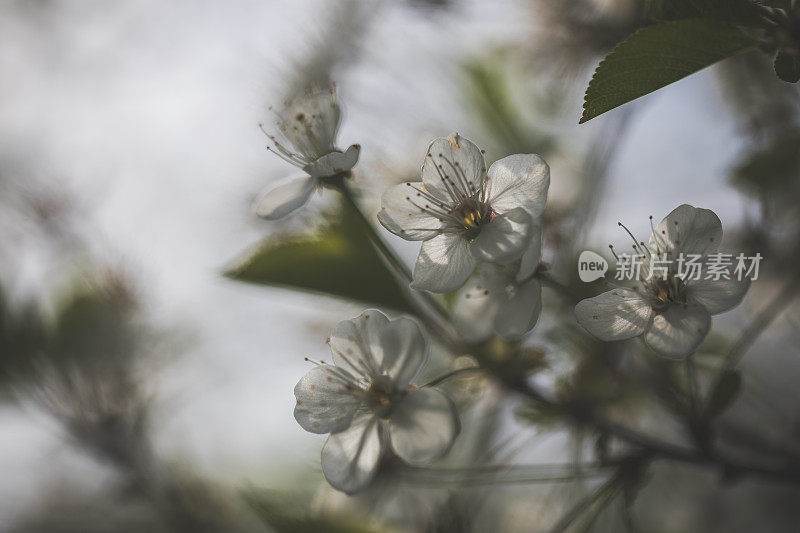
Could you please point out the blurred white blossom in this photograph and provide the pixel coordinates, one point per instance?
(463, 214)
(309, 123)
(497, 300)
(365, 399)
(673, 314)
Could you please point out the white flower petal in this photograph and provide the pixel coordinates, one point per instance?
(532, 255)
(402, 212)
(717, 296)
(687, 229)
(334, 162)
(471, 317)
(310, 121)
(403, 351)
(423, 426)
(679, 330)
(492, 301)
(443, 264)
(614, 315)
(356, 343)
(350, 458)
(504, 238)
(478, 303)
(519, 180)
(284, 197)
(325, 404)
(521, 311)
(450, 162)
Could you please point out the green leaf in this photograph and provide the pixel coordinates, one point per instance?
(92, 328)
(22, 334)
(490, 93)
(724, 393)
(661, 10)
(92, 324)
(787, 67)
(742, 12)
(337, 261)
(772, 167)
(657, 56)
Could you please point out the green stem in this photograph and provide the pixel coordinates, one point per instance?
(373, 236)
(451, 374)
(434, 315)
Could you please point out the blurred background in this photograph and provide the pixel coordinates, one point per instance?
(142, 390)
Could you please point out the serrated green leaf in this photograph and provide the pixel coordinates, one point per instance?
(787, 67)
(338, 261)
(724, 393)
(657, 56)
(742, 12)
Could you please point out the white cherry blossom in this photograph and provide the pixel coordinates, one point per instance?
(463, 214)
(672, 314)
(366, 401)
(496, 300)
(309, 123)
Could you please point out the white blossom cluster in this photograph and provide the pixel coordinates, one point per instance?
(481, 235)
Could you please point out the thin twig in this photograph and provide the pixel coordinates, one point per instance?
(691, 380)
(657, 448)
(604, 493)
(666, 450)
(505, 474)
(434, 315)
(373, 236)
(451, 374)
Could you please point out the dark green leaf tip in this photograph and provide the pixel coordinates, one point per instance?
(657, 56)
